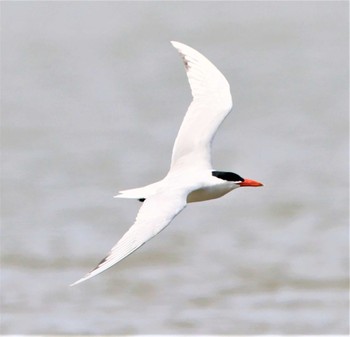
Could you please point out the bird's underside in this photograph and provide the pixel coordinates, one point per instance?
(202, 192)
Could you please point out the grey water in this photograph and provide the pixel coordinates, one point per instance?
(93, 95)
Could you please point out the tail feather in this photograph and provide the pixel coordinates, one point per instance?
(129, 194)
(139, 193)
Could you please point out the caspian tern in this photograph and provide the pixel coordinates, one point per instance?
(191, 177)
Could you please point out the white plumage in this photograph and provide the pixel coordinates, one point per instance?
(211, 103)
(191, 177)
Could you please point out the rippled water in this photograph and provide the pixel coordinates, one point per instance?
(93, 96)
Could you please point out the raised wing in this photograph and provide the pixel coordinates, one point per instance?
(154, 215)
(211, 103)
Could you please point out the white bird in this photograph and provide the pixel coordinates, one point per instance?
(191, 177)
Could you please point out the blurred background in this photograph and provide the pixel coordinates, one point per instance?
(93, 95)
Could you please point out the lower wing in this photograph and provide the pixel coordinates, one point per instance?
(154, 215)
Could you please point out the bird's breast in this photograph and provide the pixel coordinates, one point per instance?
(210, 192)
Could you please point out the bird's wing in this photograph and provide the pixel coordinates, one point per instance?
(211, 103)
(154, 215)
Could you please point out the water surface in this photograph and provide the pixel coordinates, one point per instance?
(93, 96)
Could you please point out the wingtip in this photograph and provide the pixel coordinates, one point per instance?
(176, 44)
(83, 279)
(76, 282)
(79, 281)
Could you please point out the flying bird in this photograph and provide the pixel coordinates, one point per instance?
(191, 177)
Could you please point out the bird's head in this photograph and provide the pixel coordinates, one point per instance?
(235, 178)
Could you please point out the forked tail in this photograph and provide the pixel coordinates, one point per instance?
(140, 193)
